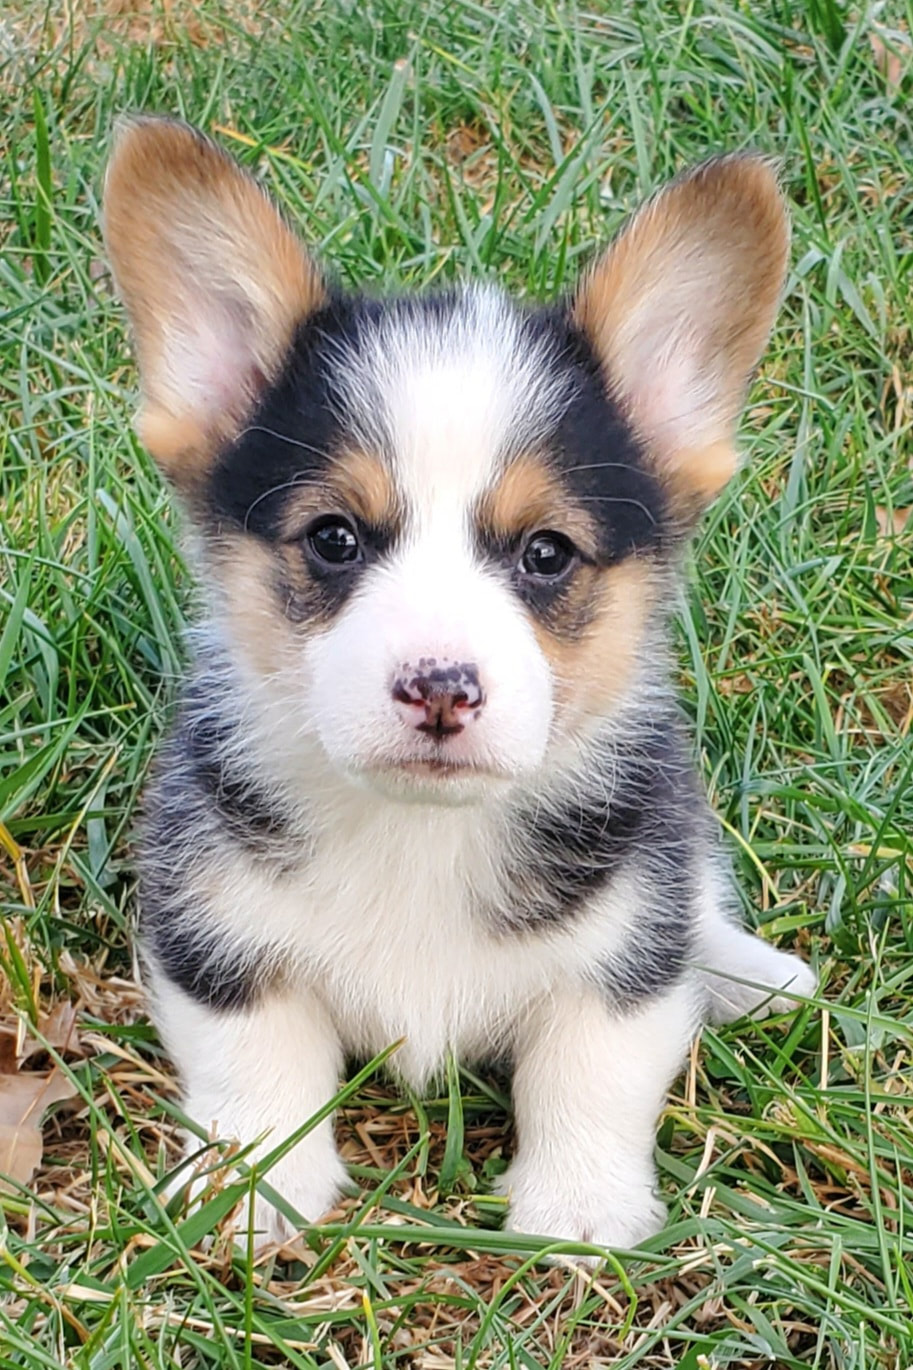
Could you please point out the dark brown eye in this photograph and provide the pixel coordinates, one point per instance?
(547, 556)
(334, 541)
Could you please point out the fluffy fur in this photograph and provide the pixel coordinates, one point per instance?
(427, 780)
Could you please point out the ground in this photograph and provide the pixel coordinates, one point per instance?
(415, 142)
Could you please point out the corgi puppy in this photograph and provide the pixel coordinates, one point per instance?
(427, 779)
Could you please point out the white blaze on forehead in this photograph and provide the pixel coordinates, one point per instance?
(450, 391)
(445, 391)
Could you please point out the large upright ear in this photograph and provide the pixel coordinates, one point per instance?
(214, 283)
(679, 310)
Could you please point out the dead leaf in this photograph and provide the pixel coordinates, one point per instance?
(58, 1029)
(25, 1096)
(23, 1099)
(888, 62)
(9, 1061)
(20, 1152)
(892, 522)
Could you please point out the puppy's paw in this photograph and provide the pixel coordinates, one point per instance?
(781, 974)
(309, 1194)
(311, 1185)
(621, 1214)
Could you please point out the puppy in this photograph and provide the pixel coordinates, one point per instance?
(427, 779)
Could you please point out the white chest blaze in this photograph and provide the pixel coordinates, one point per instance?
(392, 928)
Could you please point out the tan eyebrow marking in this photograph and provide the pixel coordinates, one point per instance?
(354, 481)
(367, 486)
(528, 497)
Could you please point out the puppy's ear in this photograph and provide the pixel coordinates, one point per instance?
(679, 310)
(214, 283)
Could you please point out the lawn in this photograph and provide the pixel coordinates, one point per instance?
(417, 142)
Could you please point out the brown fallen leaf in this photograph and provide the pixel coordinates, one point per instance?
(23, 1100)
(58, 1029)
(9, 1061)
(26, 1095)
(892, 522)
(20, 1152)
(889, 63)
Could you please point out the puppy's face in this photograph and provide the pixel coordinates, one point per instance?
(455, 533)
(444, 524)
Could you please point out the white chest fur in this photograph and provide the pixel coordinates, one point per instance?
(386, 922)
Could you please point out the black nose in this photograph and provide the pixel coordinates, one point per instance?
(439, 697)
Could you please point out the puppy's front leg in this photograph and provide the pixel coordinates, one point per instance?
(588, 1088)
(260, 1070)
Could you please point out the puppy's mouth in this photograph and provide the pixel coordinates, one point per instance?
(432, 779)
(439, 768)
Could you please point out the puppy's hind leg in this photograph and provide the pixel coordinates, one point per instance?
(742, 974)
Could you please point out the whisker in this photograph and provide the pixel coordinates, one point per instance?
(283, 437)
(601, 466)
(617, 499)
(294, 484)
(299, 479)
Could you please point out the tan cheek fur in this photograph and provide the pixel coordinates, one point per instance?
(595, 670)
(245, 574)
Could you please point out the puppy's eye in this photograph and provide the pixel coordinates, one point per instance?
(334, 541)
(547, 556)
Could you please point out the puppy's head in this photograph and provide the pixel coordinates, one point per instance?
(439, 529)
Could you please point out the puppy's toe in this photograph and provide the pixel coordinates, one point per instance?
(310, 1189)
(781, 981)
(612, 1216)
(802, 985)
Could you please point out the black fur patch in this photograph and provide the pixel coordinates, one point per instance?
(600, 467)
(290, 442)
(292, 436)
(635, 813)
(203, 768)
(602, 461)
(202, 804)
(187, 951)
(594, 452)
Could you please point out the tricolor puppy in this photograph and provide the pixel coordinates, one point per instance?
(427, 780)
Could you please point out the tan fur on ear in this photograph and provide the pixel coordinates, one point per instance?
(214, 283)
(679, 310)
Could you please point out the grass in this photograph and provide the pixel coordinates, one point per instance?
(416, 142)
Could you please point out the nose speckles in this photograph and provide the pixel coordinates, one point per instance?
(438, 697)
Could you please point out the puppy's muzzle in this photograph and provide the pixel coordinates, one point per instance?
(438, 697)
